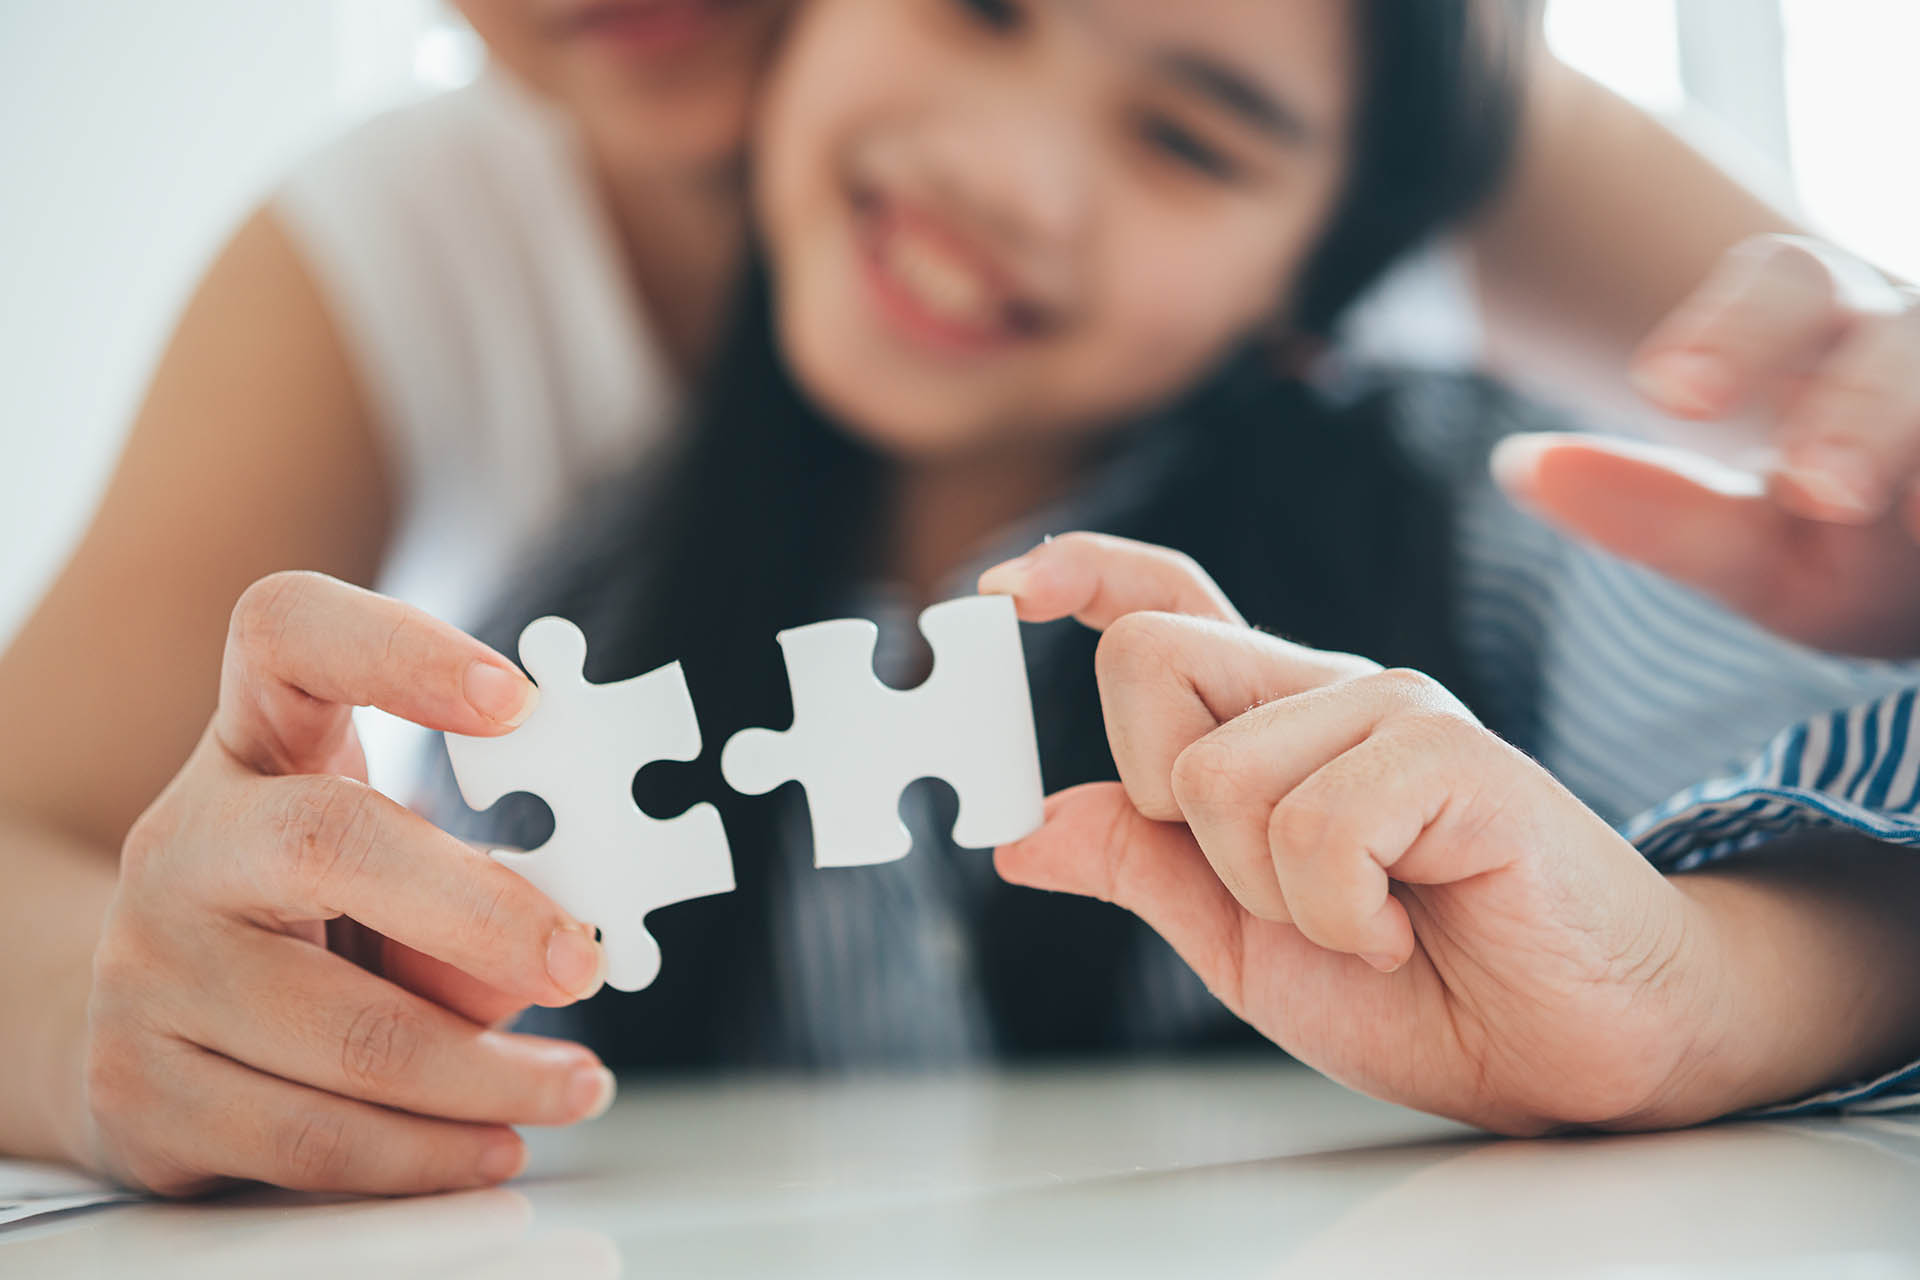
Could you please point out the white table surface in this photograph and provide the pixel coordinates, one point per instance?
(1242, 1170)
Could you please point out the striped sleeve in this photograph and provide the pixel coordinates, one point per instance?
(1855, 770)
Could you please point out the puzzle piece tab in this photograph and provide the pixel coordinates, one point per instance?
(855, 743)
(607, 864)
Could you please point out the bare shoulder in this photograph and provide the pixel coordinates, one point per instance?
(253, 451)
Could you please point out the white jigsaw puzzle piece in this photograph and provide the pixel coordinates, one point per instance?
(607, 864)
(856, 744)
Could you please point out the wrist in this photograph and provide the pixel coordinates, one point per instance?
(66, 1129)
(1794, 962)
(1696, 1039)
(55, 921)
(1731, 1055)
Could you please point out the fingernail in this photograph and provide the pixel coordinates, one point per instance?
(501, 695)
(501, 1161)
(575, 962)
(1837, 479)
(1516, 461)
(1009, 579)
(591, 1092)
(1691, 383)
(1385, 964)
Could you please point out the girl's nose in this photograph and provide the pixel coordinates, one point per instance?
(1015, 169)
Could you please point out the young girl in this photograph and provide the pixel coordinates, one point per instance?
(1221, 150)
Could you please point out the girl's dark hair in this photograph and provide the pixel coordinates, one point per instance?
(1439, 111)
(763, 516)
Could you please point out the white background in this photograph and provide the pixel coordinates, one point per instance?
(135, 133)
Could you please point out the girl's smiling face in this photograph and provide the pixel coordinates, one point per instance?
(990, 218)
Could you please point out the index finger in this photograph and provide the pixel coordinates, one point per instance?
(1096, 579)
(303, 649)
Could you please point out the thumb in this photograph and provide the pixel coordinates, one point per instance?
(1096, 844)
(1680, 514)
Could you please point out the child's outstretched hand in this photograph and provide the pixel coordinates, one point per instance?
(1373, 880)
(1823, 354)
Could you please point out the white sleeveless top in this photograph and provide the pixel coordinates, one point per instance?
(475, 280)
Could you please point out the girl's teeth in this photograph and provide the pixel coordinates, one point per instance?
(945, 287)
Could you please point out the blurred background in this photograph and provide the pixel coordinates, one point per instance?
(134, 134)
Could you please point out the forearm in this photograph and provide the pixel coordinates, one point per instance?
(1608, 221)
(1811, 960)
(51, 914)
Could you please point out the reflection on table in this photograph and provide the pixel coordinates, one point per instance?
(1247, 1168)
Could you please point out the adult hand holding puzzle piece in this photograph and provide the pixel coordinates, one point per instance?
(1295, 822)
(224, 1038)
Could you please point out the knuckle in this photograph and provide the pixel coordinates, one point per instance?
(1405, 684)
(1077, 542)
(112, 1075)
(1208, 775)
(1325, 925)
(118, 966)
(122, 1098)
(327, 832)
(380, 1046)
(1302, 833)
(1350, 666)
(414, 646)
(1123, 871)
(1298, 829)
(1413, 692)
(314, 1150)
(1425, 731)
(494, 906)
(161, 1174)
(264, 610)
(1203, 595)
(1137, 647)
(1190, 569)
(148, 838)
(1183, 561)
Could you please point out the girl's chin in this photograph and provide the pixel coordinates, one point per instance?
(896, 435)
(904, 428)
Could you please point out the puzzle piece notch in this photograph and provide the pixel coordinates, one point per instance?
(856, 744)
(607, 862)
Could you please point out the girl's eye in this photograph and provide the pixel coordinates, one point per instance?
(1001, 15)
(1181, 144)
